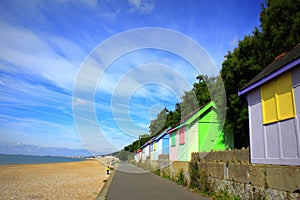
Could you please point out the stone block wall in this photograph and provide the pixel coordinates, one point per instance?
(154, 164)
(231, 171)
(163, 161)
(176, 166)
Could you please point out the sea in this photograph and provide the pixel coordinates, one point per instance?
(27, 159)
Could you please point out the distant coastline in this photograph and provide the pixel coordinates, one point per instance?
(6, 159)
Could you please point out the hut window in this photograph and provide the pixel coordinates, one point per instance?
(278, 99)
(173, 139)
(182, 136)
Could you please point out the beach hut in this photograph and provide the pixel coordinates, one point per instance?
(138, 156)
(146, 151)
(273, 98)
(200, 131)
(173, 145)
(162, 144)
(152, 148)
(155, 146)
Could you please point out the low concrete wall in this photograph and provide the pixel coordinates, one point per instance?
(163, 161)
(154, 164)
(231, 171)
(176, 166)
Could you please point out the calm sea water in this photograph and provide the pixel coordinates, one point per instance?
(24, 159)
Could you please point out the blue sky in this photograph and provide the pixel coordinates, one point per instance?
(51, 53)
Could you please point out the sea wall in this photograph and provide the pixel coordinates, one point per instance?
(232, 172)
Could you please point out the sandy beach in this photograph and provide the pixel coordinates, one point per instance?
(73, 180)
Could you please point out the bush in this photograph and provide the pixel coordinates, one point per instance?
(179, 178)
(199, 179)
(156, 171)
(165, 173)
(194, 175)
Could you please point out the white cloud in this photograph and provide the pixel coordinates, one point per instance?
(79, 101)
(2, 83)
(141, 6)
(148, 78)
(91, 3)
(234, 42)
(160, 76)
(23, 93)
(55, 59)
(37, 132)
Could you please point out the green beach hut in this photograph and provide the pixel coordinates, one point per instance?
(201, 131)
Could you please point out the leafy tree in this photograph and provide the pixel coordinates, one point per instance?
(189, 103)
(279, 32)
(124, 155)
(137, 143)
(280, 23)
(201, 89)
(191, 100)
(237, 70)
(173, 117)
(159, 123)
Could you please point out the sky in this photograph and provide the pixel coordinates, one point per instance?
(90, 75)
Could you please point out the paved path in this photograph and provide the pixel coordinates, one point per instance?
(132, 183)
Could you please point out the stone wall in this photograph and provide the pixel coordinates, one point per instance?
(231, 171)
(163, 161)
(176, 166)
(154, 164)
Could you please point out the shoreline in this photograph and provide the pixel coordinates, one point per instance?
(62, 180)
(7, 159)
(42, 163)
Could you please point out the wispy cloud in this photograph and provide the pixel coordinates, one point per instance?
(142, 6)
(234, 42)
(38, 132)
(55, 60)
(91, 3)
(49, 96)
(143, 77)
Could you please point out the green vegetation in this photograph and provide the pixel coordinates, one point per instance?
(203, 91)
(279, 31)
(222, 196)
(156, 171)
(165, 173)
(124, 155)
(200, 183)
(179, 178)
(138, 143)
(198, 179)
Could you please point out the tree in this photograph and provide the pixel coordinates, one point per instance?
(280, 31)
(201, 89)
(173, 117)
(159, 123)
(191, 100)
(189, 103)
(280, 23)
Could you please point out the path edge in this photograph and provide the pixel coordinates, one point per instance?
(104, 190)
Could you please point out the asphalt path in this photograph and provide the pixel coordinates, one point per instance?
(133, 183)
